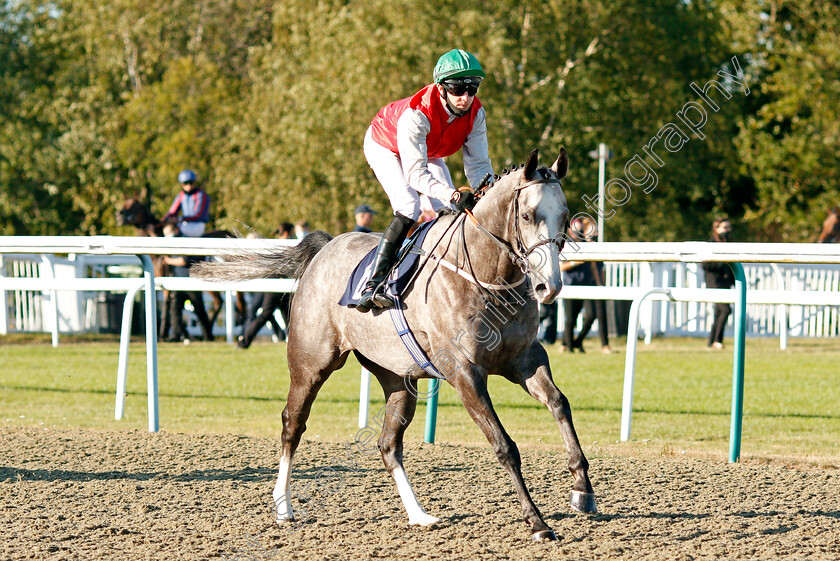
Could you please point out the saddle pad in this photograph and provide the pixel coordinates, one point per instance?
(399, 277)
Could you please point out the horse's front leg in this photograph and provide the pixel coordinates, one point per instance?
(472, 389)
(534, 375)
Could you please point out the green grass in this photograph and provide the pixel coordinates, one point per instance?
(682, 396)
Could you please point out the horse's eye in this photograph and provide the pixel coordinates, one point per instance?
(526, 217)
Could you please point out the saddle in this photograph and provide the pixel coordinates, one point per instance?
(400, 275)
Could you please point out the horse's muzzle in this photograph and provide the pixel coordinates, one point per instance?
(548, 291)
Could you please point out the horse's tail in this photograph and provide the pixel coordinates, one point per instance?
(284, 263)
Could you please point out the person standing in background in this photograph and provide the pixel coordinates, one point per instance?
(301, 229)
(180, 268)
(719, 275)
(267, 303)
(583, 273)
(364, 217)
(592, 310)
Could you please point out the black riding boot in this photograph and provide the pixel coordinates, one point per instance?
(374, 293)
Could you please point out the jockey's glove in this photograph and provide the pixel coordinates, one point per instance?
(463, 200)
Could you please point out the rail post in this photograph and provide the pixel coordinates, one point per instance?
(151, 343)
(431, 410)
(736, 420)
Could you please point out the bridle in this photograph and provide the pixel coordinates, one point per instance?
(519, 253)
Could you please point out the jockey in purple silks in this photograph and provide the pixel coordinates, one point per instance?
(194, 205)
(405, 146)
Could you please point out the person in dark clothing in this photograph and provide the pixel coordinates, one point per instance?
(180, 268)
(547, 332)
(266, 303)
(263, 306)
(583, 273)
(719, 275)
(592, 310)
(364, 216)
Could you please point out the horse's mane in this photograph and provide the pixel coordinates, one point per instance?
(544, 170)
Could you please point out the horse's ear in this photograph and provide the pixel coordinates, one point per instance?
(531, 164)
(561, 166)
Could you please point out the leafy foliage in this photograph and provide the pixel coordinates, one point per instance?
(269, 102)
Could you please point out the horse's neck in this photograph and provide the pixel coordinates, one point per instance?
(829, 236)
(476, 252)
(831, 230)
(145, 216)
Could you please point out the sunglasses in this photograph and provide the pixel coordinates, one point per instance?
(188, 183)
(460, 89)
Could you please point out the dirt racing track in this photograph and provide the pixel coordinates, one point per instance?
(76, 494)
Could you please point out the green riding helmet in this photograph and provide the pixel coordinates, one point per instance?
(457, 64)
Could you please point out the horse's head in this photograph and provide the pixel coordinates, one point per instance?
(831, 227)
(134, 213)
(535, 221)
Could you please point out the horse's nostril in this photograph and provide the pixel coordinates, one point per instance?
(541, 287)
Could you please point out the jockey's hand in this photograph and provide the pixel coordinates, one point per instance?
(463, 199)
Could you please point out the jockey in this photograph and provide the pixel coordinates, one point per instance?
(194, 205)
(405, 146)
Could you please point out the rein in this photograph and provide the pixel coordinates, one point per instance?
(519, 255)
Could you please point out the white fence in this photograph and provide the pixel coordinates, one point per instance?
(695, 318)
(88, 311)
(82, 311)
(31, 311)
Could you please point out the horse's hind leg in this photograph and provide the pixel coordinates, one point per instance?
(217, 306)
(306, 381)
(398, 412)
(534, 375)
(164, 315)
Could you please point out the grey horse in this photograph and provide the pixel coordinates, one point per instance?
(471, 307)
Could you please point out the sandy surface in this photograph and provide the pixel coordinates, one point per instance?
(79, 494)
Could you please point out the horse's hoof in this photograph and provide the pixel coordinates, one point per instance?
(583, 502)
(284, 519)
(424, 520)
(547, 534)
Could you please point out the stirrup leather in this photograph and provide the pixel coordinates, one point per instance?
(374, 294)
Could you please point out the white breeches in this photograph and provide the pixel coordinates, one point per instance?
(404, 198)
(192, 229)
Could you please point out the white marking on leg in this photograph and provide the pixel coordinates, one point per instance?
(416, 514)
(283, 492)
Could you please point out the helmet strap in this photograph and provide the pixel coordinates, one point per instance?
(452, 109)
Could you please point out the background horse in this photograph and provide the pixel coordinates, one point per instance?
(478, 322)
(831, 227)
(135, 213)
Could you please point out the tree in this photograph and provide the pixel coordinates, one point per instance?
(789, 145)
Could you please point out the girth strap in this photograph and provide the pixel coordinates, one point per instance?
(407, 337)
